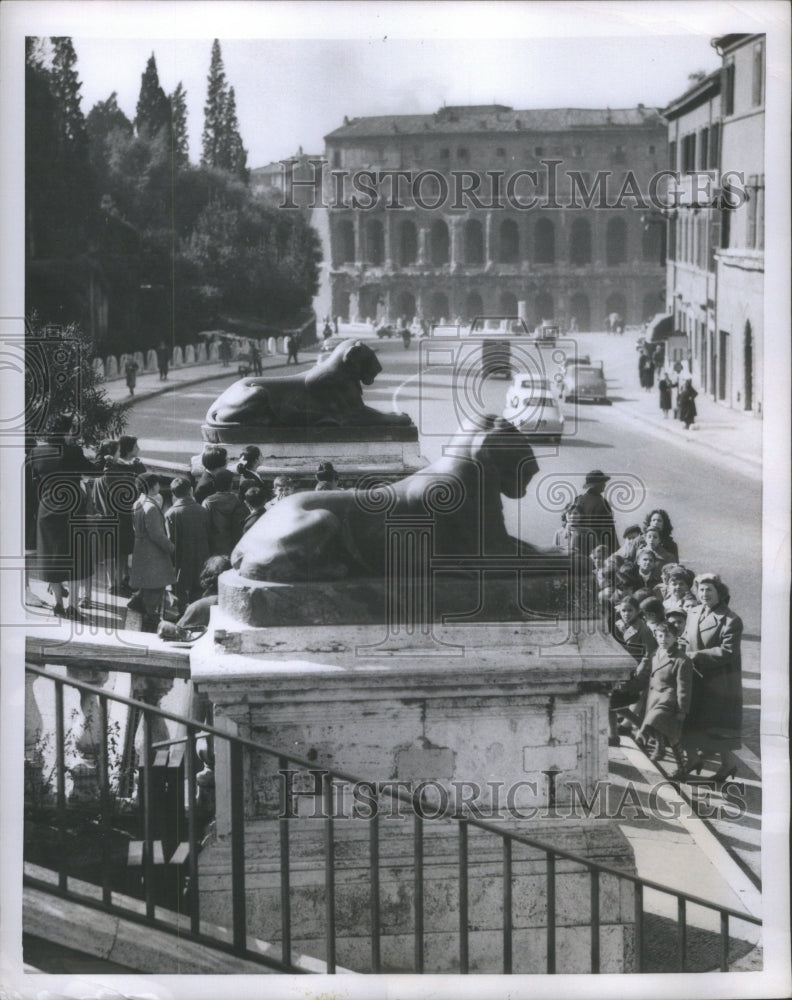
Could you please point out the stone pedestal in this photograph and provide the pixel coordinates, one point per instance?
(506, 719)
(356, 452)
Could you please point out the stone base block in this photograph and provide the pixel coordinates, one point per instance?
(537, 596)
(600, 841)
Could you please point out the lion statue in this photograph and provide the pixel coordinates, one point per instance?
(336, 534)
(329, 394)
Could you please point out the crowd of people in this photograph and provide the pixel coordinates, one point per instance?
(685, 693)
(652, 367)
(104, 521)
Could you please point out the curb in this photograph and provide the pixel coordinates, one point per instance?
(743, 463)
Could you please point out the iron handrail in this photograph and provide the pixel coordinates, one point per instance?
(508, 838)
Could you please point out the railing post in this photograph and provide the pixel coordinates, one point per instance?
(551, 913)
(376, 930)
(330, 932)
(418, 902)
(595, 920)
(35, 792)
(681, 932)
(60, 767)
(638, 925)
(285, 873)
(238, 846)
(146, 760)
(105, 801)
(507, 906)
(463, 897)
(192, 831)
(724, 941)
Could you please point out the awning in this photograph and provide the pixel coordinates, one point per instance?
(661, 327)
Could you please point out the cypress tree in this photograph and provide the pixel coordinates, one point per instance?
(214, 110)
(235, 154)
(65, 86)
(178, 103)
(153, 111)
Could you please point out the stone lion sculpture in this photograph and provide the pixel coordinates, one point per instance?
(340, 533)
(329, 394)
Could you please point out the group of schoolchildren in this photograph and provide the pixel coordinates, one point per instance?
(645, 595)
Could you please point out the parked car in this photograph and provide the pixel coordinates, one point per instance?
(548, 332)
(386, 331)
(532, 406)
(585, 382)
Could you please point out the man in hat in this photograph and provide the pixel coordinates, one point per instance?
(326, 477)
(590, 521)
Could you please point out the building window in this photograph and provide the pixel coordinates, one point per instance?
(618, 155)
(580, 243)
(688, 153)
(336, 157)
(703, 148)
(714, 142)
(616, 242)
(757, 89)
(577, 151)
(754, 237)
(500, 152)
(445, 153)
(727, 88)
(463, 154)
(652, 150)
(672, 155)
(539, 151)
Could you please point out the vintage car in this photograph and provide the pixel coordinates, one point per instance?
(532, 406)
(548, 332)
(585, 382)
(386, 331)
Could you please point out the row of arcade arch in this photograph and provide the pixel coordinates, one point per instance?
(435, 305)
(435, 245)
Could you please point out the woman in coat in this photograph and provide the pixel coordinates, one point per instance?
(665, 385)
(713, 633)
(56, 469)
(152, 556)
(687, 404)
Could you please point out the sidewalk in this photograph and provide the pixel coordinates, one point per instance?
(149, 384)
(732, 434)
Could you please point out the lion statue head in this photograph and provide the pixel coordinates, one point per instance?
(495, 444)
(355, 359)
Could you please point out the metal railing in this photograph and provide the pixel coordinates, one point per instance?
(324, 778)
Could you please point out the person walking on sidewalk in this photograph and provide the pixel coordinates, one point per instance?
(130, 373)
(163, 359)
(665, 385)
(687, 404)
(293, 346)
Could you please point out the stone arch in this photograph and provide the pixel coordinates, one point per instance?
(652, 242)
(346, 242)
(580, 309)
(507, 304)
(438, 306)
(616, 242)
(580, 243)
(440, 242)
(616, 303)
(543, 307)
(544, 241)
(375, 242)
(341, 304)
(653, 303)
(509, 242)
(405, 306)
(371, 301)
(474, 305)
(408, 243)
(473, 238)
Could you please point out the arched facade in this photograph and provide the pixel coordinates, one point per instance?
(616, 242)
(580, 243)
(509, 242)
(408, 243)
(580, 310)
(544, 241)
(474, 305)
(375, 242)
(543, 307)
(507, 304)
(474, 242)
(438, 306)
(439, 243)
(405, 306)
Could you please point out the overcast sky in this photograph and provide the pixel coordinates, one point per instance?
(291, 93)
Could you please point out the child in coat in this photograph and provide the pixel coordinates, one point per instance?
(668, 698)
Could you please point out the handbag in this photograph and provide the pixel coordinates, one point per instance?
(171, 607)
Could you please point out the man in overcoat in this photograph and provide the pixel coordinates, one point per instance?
(152, 566)
(187, 524)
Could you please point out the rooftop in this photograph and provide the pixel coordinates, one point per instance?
(467, 119)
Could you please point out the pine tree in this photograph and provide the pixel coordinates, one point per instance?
(214, 110)
(153, 111)
(234, 153)
(65, 86)
(178, 103)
